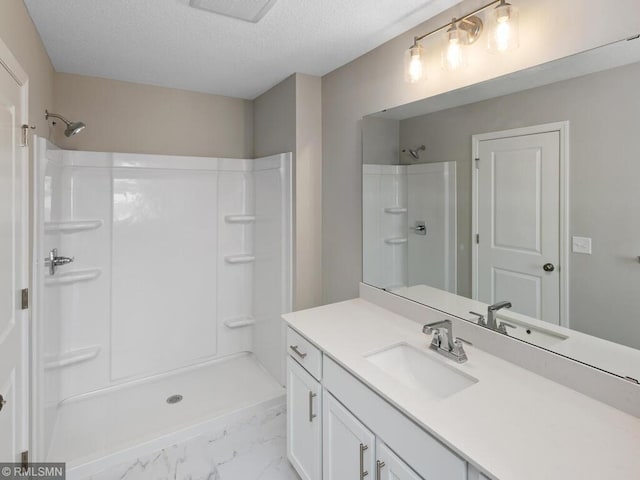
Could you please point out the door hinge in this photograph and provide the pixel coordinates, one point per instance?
(24, 460)
(477, 238)
(477, 162)
(25, 134)
(24, 299)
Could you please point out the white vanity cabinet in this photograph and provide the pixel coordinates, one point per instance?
(351, 450)
(390, 467)
(340, 429)
(304, 417)
(348, 446)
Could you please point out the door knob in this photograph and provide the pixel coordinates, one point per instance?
(548, 267)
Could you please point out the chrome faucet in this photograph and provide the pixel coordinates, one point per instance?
(491, 314)
(453, 348)
(491, 323)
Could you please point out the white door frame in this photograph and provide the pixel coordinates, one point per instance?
(10, 63)
(563, 129)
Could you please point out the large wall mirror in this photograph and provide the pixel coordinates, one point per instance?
(525, 189)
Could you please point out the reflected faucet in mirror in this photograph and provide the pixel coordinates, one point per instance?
(491, 323)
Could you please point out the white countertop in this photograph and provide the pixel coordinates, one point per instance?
(512, 424)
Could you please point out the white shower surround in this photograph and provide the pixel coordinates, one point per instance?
(395, 197)
(180, 263)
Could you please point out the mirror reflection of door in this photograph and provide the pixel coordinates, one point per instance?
(517, 215)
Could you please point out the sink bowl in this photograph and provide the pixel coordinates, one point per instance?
(419, 370)
(536, 335)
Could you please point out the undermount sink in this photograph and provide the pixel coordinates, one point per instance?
(536, 335)
(418, 370)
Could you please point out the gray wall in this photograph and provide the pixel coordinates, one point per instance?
(380, 137)
(287, 118)
(602, 109)
(135, 118)
(374, 82)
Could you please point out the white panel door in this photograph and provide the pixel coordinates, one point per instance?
(390, 467)
(12, 271)
(518, 211)
(348, 446)
(304, 422)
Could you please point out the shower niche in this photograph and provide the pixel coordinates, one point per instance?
(181, 269)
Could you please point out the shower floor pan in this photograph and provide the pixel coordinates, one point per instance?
(97, 430)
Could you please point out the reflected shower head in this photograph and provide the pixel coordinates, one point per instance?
(415, 153)
(72, 127)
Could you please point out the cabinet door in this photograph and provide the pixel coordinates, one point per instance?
(304, 422)
(348, 446)
(390, 467)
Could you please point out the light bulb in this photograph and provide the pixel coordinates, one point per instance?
(414, 68)
(503, 34)
(453, 54)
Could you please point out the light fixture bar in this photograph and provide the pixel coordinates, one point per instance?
(458, 20)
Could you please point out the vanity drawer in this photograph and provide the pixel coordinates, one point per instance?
(304, 353)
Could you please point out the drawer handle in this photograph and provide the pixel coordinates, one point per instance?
(296, 351)
(311, 414)
(363, 473)
(379, 466)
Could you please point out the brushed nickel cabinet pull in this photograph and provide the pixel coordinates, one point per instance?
(311, 414)
(379, 466)
(296, 351)
(363, 473)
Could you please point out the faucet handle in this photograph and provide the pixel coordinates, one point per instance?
(503, 327)
(480, 316)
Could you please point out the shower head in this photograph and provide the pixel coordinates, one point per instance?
(72, 127)
(415, 152)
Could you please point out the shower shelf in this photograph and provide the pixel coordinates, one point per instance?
(395, 240)
(396, 210)
(72, 357)
(73, 276)
(240, 218)
(239, 322)
(72, 226)
(235, 259)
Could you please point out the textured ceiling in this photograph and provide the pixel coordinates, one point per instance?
(168, 43)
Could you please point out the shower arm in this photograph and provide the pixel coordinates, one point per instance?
(55, 115)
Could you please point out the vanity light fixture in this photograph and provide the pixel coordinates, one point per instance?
(503, 27)
(414, 64)
(461, 33)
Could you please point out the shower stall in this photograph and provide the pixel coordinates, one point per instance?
(159, 282)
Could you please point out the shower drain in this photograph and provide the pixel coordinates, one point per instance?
(174, 399)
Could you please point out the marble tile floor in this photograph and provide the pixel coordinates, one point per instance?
(252, 447)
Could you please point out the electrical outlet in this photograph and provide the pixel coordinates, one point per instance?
(582, 245)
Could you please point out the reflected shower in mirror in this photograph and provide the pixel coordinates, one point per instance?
(523, 188)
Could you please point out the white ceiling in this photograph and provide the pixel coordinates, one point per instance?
(168, 43)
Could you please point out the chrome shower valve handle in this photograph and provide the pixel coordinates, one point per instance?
(54, 261)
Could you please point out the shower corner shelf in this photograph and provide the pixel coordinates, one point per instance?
(395, 240)
(395, 210)
(73, 276)
(240, 218)
(239, 322)
(72, 357)
(72, 226)
(237, 259)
